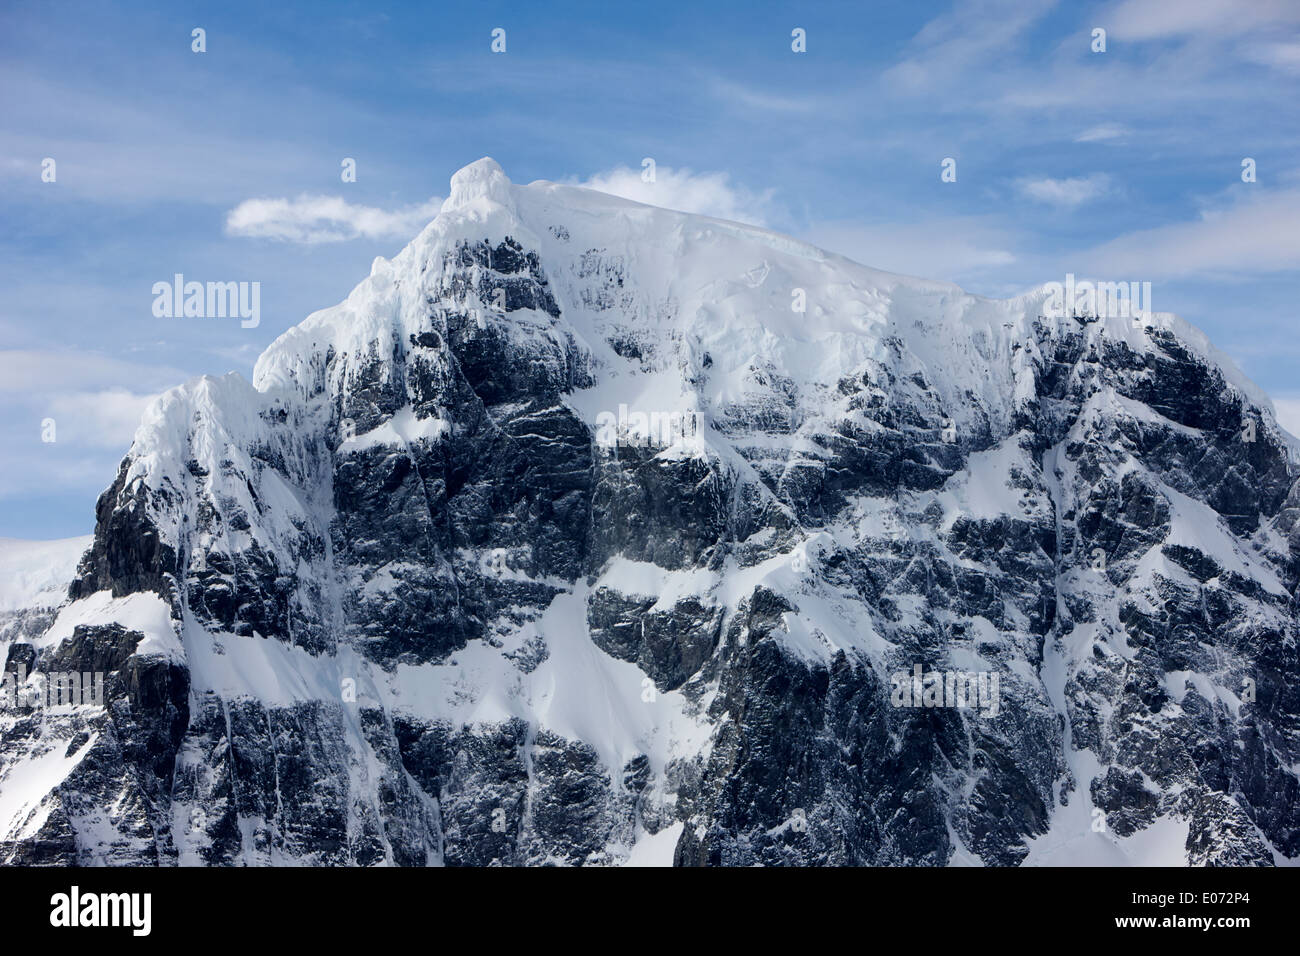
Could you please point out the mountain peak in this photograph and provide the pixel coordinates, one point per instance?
(481, 181)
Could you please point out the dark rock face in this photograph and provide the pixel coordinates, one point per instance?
(513, 796)
(127, 754)
(669, 513)
(513, 473)
(128, 554)
(669, 645)
(421, 613)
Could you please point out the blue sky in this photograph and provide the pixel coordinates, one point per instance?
(225, 165)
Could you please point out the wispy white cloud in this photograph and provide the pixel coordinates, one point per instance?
(1102, 133)
(950, 249)
(1284, 56)
(706, 194)
(29, 371)
(1073, 191)
(1253, 236)
(969, 35)
(106, 418)
(738, 95)
(95, 402)
(1288, 412)
(316, 219)
(1157, 19)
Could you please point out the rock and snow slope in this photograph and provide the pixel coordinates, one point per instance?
(408, 598)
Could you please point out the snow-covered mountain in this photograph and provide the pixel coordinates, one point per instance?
(569, 538)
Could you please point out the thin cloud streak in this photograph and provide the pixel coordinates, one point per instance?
(315, 219)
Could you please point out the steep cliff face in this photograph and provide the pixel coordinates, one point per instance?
(570, 538)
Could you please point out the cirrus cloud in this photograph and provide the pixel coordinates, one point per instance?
(1157, 19)
(705, 194)
(1101, 133)
(1251, 237)
(1066, 192)
(316, 219)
